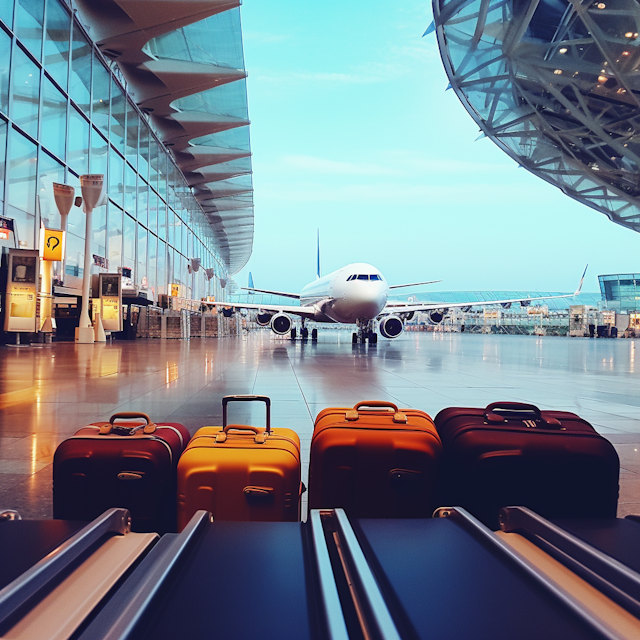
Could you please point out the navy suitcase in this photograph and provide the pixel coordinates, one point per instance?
(512, 453)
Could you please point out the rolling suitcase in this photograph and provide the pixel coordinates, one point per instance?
(513, 454)
(128, 462)
(374, 461)
(240, 472)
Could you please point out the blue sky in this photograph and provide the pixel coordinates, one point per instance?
(353, 133)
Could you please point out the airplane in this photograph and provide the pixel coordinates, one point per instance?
(357, 294)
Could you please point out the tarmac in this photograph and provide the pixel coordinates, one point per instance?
(48, 393)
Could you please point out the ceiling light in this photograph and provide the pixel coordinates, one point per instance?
(558, 72)
(562, 50)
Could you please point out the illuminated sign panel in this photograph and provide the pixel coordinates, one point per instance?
(22, 293)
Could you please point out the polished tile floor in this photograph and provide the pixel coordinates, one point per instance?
(47, 393)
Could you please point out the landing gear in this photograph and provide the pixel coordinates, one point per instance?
(366, 331)
(304, 333)
(293, 333)
(314, 335)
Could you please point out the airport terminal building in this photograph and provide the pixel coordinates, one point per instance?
(150, 94)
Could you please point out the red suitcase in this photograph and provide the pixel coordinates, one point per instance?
(374, 461)
(513, 454)
(129, 464)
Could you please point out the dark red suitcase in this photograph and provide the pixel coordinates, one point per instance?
(513, 454)
(128, 464)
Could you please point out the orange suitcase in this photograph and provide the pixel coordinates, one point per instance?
(240, 472)
(375, 461)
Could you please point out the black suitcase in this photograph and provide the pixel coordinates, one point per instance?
(512, 453)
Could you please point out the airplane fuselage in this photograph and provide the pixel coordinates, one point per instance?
(357, 292)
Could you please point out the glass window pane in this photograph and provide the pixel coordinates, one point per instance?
(100, 82)
(49, 171)
(131, 147)
(99, 154)
(153, 211)
(78, 155)
(5, 57)
(6, 13)
(118, 103)
(74, 261)
(141, 276)
(151, 273)
(21, 196)
(171, 228)
(143, 158)
(80, 79)
(161, 269)
(162, 219)
(129, 244)
(116, 178)
(114, 230)
(56, 43)
(154, 156)
(130, 189)
(54, 119)
(29, 20)
(99, 232)
(143, 201)
(3, 155)
(76, 223)
(25, 83)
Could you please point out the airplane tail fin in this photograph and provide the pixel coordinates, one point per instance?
(577, 291)
(250, 283)
(318, 264)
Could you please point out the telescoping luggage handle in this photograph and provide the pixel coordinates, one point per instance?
(111, 427)
(499, 412)
(354, 414)
(261, 435)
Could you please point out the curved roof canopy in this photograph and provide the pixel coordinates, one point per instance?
(184, 66)
(556, 85)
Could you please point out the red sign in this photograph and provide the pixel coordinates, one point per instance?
(4, 234)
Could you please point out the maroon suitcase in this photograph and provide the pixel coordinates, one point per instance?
(513, 454)
(130, 464)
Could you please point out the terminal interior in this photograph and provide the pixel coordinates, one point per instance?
(49, 393)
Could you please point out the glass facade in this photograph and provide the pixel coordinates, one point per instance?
(621, 291)
(554, 84)
(64, 112)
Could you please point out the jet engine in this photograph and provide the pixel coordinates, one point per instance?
(505, 305)
(437, 315)
(391, 327)
(264, 319)
(281, 323)
(227, 312)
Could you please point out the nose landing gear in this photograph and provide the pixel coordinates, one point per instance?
(366, 331)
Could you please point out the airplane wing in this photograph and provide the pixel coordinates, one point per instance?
(412, 284)
(274, 293)
(407, 307)
(303, 312)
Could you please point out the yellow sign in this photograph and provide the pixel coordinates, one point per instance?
(175, 290)
(53, 244)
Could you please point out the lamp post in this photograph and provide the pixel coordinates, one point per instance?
(64, 196)
(92, 187)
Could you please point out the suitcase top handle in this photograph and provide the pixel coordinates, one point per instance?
(498, 412)
(354, 414)
(149, 427)
(246, 398)
(261, 436)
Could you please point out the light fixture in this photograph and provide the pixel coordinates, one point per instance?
(563, 50)
(558, 72)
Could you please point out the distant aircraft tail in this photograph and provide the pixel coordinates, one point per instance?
(584, 273)
(250, 283)
(318, 265)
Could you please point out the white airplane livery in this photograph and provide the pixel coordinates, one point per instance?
(357, 294)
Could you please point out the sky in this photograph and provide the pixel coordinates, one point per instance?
(353, 133)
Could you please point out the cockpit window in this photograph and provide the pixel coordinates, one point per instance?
(350, 278)
(363, 277)
(375, 276)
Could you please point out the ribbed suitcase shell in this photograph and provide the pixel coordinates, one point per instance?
(374, 467)
(564, 471)
(239, 479)
(93, 473)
